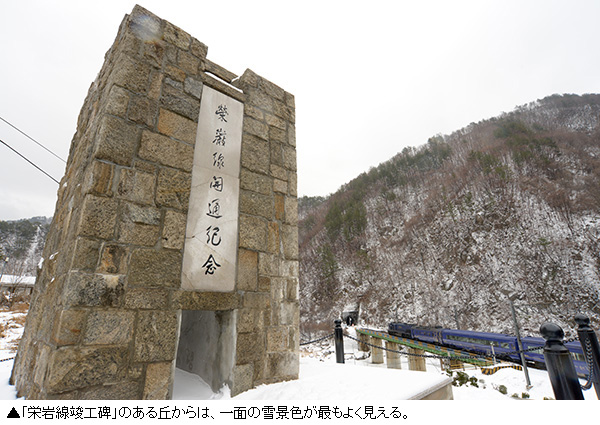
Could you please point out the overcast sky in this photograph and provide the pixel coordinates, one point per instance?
(368, 80)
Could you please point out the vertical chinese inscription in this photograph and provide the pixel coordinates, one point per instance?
(210, 252)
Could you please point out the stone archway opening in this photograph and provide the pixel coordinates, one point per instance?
(207, 346)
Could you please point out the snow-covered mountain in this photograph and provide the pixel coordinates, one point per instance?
(447, 233)
(22, 243)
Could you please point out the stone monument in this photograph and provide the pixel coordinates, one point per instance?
(174, 241)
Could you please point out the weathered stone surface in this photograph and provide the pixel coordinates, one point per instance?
(114, 259)
(136, 185)
(139, 225)
(123, 390)
(108, 327)
(139, 214)
(258, 300)
(176, 100)
(256, 128)
(193, 86)
(256, 204)
(242, 378)
(275, 121)
(173, 189)
(250, 320)
(283, 364)
(280, 186)
(176, 36)
(292, 289)
(158, 378)
(173, 233)
(198, 48)
(293, 185)
(278, 172)
(85, 255)
(279, 207)
(68, 326)
(166, 151)
(249, 347)
(290, 242)
(143, 110)
(289, 269)
(74, 367)
(259, 99)
(247, 270)
(278, 288)
(277, 339)
(213, 301)
(273, 238)
(117, 102)
(130, 74)
(176, 126)
(100, 180)
(291, 210)
(253, 232)
(188, 62)
(254, 112)
(147, 298)
(150, 267)
(256, 182)
(93, 290)
(268, 264)
(255, 154)
(116, 141)
(155, 336)
(289, 158)
(98, 217)
(176, 74)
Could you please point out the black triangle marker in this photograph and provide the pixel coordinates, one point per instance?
(13, 414)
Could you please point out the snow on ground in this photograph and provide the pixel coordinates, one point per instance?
(322, 379)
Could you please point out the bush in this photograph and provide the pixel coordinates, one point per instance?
(502, 389)
(462, 378)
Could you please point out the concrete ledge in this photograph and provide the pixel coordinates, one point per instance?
(441, 391)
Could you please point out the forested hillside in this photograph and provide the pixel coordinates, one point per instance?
(446, 233)
(21, 244)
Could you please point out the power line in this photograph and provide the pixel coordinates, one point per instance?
(5, 144)
(32, 139)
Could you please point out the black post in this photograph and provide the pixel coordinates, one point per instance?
(589, 343)
(338, 336)
(559, 363)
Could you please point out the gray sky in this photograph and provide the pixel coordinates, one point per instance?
(368, 80)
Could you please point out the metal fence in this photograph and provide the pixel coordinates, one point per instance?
(558, 359)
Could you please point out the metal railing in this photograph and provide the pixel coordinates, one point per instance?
(558, 359)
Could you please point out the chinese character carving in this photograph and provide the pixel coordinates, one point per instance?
(218, 160)
(217, 184)
(211, 265)
(213, 237)
(220, 137)
(221, 112)
(214, 209)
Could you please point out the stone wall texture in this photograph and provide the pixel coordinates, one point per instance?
(105, 314)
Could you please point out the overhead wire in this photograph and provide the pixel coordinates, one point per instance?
(33, 140)
(25, 158)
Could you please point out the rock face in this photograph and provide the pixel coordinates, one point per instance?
(106, 314)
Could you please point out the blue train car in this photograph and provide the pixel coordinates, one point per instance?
(537, 356)
(481, 342)
(578, 358)
(400, 329)
(433, 335)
